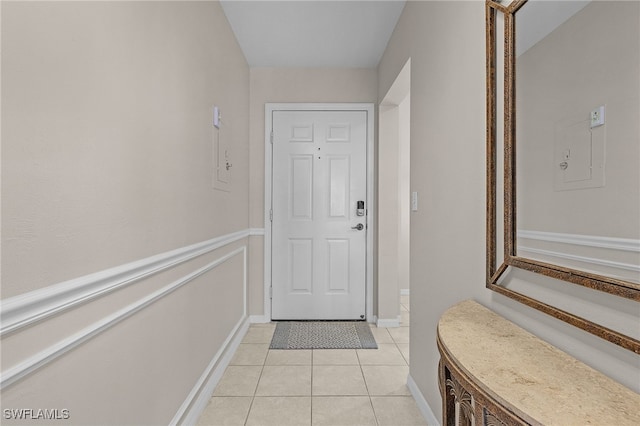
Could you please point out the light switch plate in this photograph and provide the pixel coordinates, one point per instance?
(216, 117)
(597, 117)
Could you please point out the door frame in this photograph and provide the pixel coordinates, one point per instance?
(269, 109)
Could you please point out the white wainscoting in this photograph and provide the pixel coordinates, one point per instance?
(197, 400)
(623, 244)
(422, 403)
(603, 254)
(23, 310)
(57, 350)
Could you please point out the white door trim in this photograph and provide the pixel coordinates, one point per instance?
(268, 164)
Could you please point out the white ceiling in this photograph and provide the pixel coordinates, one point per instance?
(313, 33)
(538, 18)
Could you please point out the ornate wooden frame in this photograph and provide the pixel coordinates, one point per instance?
(614, 286)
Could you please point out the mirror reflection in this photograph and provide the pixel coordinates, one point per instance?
(578, 135)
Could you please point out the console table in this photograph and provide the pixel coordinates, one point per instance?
(493, 372)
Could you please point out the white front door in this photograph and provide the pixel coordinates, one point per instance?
(318, 240)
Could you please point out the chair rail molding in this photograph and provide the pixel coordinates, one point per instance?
(53, 352)
(26, 309)
(622, 244)
(595, 252)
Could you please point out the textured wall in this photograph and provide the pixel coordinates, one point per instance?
(271, 85)
(106, 160)
(588, 61)
(446, 44)
(106, 134)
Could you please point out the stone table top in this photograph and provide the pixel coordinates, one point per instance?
(536, 380)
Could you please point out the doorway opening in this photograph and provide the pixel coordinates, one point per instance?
(395, 200)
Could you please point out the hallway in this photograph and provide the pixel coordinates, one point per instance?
(336, 387)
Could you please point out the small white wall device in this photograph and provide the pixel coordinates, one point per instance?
(216, 117)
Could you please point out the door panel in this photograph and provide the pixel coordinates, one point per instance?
(338, 264)
(319, 174)
(338, 184)
(301, 195)
(301, 264)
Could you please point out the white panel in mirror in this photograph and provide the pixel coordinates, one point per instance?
(579, 155)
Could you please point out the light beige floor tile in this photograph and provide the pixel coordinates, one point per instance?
(264, 325)
(386, 354)
(400, 334)
(405, 319)
(259, 335)
(335, 357)
(281, 380)
(342, 411)
(397, 410)
(226, 411)
(404, 350)
(404, 300)
(250, 354)
(340, 380)
(381, 334)
(386, 380)
(289, 357)
(238, 381)
(280, 411)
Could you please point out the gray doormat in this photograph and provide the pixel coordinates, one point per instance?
(323, 335)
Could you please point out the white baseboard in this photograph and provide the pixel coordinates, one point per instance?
(423, 406)
(259, 319)
(197, 400)
(404, 292)
(388, 323)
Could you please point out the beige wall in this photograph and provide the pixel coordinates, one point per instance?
(388, 215)
(404, 194)
(393, 215)
(272, 85)
(107, 159)
(589, 61)
(446, 44)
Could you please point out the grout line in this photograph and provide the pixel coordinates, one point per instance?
(367, 387)
(311, 391)
(253, 398)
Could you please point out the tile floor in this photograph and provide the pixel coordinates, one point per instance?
(329, 387)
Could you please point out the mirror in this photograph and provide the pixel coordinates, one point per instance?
(562, 122)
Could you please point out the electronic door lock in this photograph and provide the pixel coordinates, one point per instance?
(360, 208)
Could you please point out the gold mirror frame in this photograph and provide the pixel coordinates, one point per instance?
(602, 283)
